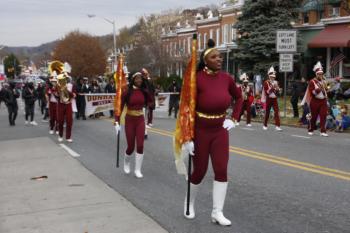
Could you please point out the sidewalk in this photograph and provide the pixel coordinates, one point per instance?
(70, 200)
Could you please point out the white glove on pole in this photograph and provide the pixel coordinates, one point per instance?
(188, 147)
(117, 128)
(228, 124)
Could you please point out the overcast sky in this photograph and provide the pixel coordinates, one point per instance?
(33, 22)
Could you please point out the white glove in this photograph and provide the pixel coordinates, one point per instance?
(117, 128)
(228, 124)
(188, 147)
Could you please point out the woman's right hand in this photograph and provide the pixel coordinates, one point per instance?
(117, 127)
(188, 147)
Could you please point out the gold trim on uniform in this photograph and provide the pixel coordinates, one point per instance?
(211, 116)
(134, 112)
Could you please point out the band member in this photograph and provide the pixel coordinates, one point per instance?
(52, 96)
(135, 99)
(269, 94)
(151, 94)
(215, 91)
(247, 94)
(316, 98)
(66, 93)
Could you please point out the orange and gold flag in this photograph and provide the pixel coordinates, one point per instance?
(120, 84)
(184, 130)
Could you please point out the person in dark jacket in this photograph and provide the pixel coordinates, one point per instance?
(41, 98)
(82, 88)
(174, 90)
(110, 88)
(30, 95)
(10, 98)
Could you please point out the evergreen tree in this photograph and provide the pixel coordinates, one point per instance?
(257, 29)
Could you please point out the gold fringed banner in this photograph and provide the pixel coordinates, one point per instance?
(120, 83)
(184, 130)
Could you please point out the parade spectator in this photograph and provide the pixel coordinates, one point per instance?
(29, 95)
(174, 90)
(95, 89)
(10, 98)
(295, 98)
(41, 97)
(343, 121)
(83, 88)
(346, 94)
(2, 93)
(110, 88)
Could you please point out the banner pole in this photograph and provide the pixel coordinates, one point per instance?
(118, 143)
(188, 185)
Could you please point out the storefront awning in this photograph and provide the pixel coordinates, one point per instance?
(333, 36)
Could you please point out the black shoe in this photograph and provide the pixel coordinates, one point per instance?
(84, 118)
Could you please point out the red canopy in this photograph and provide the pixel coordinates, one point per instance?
(333, 36)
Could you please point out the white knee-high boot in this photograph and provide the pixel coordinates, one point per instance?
(127, 163)
(138, 165)
(193, 193)
(219, 194)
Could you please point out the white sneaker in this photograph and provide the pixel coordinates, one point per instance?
(278, 128)
(147, 126)
(324, 135)
(69, 140)
(311, 133)
(33, 123)
(57, 132)
(60, 139)
(150, 125)
(26, 122)
(51, 132)
(249, 125)
(264, 127)
(237, 123)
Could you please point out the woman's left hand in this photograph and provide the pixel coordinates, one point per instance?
(228, 124)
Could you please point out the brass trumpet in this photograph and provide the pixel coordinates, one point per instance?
(61, 80)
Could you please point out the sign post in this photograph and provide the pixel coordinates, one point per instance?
(286, 45)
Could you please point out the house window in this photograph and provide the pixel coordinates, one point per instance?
(199, 42)
(334, 11)
(211, 33)
(205, 40)
(234, 34)
(306, 17)
(218, 36)
(189, 45)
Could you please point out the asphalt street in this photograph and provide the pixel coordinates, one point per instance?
(279, 182)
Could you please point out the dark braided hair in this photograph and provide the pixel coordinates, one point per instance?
(143, 88)
(201, 64)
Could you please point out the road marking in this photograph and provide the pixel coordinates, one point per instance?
(249, 129)
(278, 160)
(70, 151)
(300, 136)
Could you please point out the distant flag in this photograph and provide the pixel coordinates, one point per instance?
(338, 58)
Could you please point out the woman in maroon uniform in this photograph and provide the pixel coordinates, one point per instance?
(135, 98)
(215, 91)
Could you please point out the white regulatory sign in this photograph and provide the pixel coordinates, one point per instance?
(286, 63)
(286, 41)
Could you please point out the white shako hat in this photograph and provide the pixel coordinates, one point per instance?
(318, 69)
(272, 72)
(244, 78)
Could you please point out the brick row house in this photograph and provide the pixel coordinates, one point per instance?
(220, 28)
(324, 28)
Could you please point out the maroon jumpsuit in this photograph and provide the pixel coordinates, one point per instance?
(65, 114)
(271, 101)
(318, 104)
(134, 124)
(214, 96)
(52, 99)
(247, 104)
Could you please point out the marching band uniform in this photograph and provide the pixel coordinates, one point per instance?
(215, 90)
(316, 97)
(64, 106)
(247, 94)
(52, 96)
(269, 94)
(134, 99)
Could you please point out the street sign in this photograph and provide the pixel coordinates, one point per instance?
(2, 70)
(286, 62)
(286, 41)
